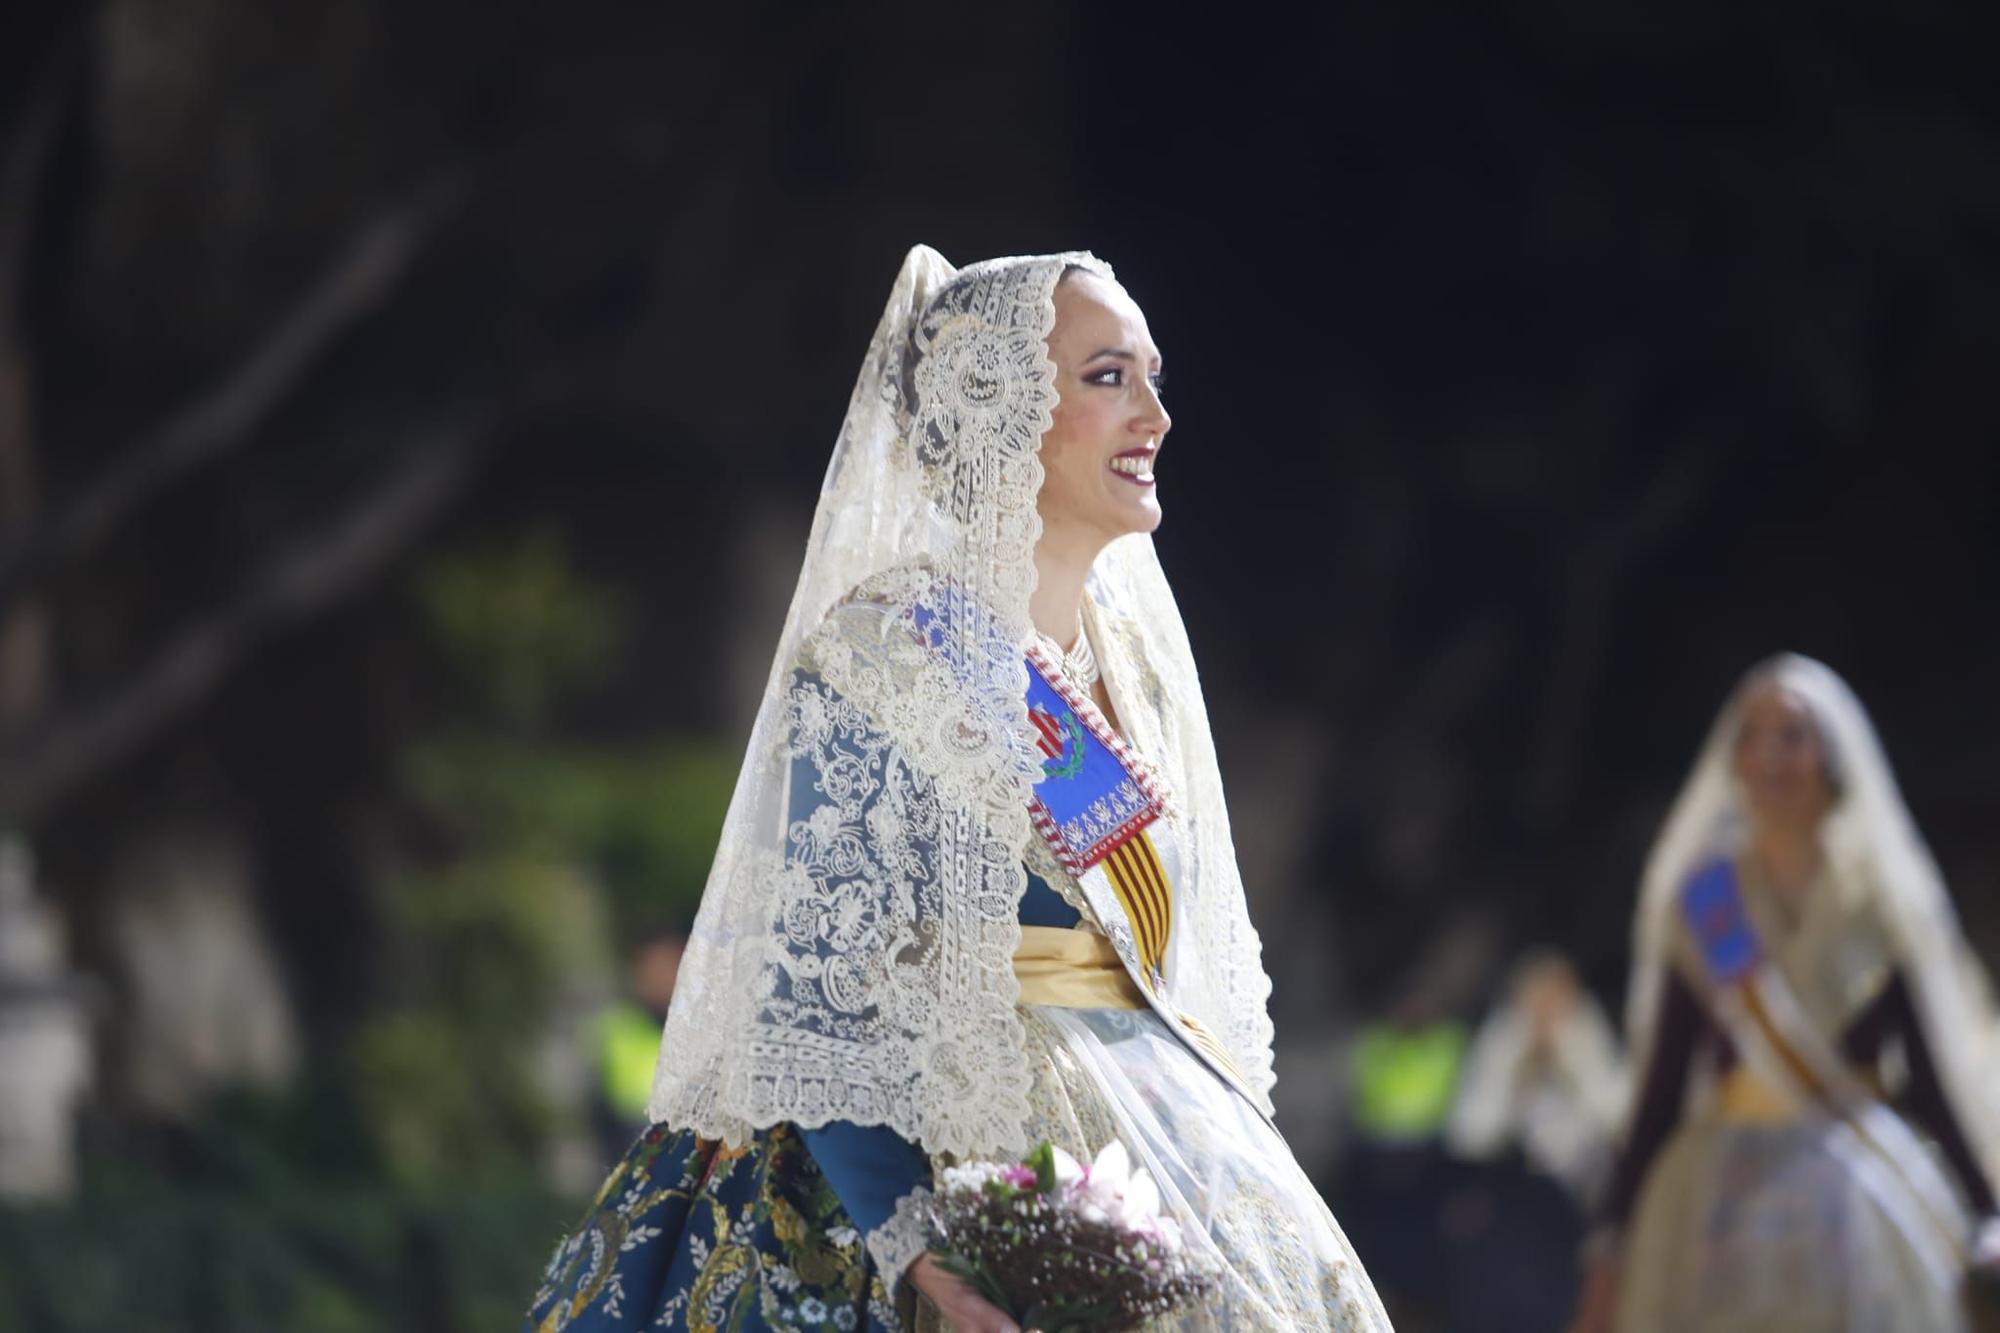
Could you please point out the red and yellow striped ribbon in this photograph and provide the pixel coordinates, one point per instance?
(1136, 876)
(1140, 881)
(1209, 1043)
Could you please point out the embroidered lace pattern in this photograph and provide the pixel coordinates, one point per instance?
(1042, 862)
(901, 1240)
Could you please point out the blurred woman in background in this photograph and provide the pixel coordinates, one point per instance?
(1544, 1076)
(1798, 971)
(976, 887)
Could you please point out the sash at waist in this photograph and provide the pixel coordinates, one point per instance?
(1079, 969)
(1742, 1096)
(1073, 969)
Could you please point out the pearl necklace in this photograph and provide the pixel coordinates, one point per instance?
(1078, 664)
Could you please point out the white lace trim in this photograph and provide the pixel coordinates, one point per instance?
(903, 1239)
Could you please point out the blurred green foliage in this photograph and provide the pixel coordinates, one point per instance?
(519, 628)
(271, 1214)
(553, 853)
(400, 1184)
(355, 1259)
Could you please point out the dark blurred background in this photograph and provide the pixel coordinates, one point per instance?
(411, 416)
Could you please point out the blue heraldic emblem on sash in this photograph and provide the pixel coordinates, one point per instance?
(1060, 737)
(1090, 801)
(1712, 901)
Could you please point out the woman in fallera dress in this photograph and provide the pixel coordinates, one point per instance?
(1816, 1137)
(976, 887)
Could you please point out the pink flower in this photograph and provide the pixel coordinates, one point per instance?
(1104, 1180)
(1020, 1176)
(1112, 1190)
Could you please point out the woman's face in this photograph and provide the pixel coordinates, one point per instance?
(1108, 423)
(1781, 758)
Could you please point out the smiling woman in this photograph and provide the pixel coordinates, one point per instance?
(976, 888)
(1108, 422)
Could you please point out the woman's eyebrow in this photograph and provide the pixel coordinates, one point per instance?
(1115, 353)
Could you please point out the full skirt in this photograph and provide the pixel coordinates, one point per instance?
(1783, 1228)
(689, 1235)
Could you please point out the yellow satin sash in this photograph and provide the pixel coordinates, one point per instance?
(1747, 1099)
(1073, 969)
(1079, 969)
(1743, 1096)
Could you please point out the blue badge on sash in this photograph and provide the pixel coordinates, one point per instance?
(1091, 798)
(1712, 901)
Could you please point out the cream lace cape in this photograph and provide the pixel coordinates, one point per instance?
(854, 962)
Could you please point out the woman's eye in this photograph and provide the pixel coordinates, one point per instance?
(1113, 377)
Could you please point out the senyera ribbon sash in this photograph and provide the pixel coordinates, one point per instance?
(1773, 1034)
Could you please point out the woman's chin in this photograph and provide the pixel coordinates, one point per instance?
(1104, 522)
(1786, 813)
(1139, 514)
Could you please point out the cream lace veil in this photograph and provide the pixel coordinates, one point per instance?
(1874, 848)
(852, 955)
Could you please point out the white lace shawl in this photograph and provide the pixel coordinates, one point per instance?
(854, 963)
(1874, 849)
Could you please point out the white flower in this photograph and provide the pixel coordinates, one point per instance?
(1141, 1205)
(1112, 1190)
(1068, 1170)
(843, 1236)
(1104, 1183)
(971, 1175)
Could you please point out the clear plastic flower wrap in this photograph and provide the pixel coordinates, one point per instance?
(1061, 1246)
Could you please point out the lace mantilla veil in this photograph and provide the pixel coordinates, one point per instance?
(856, 963)
(1874, 847)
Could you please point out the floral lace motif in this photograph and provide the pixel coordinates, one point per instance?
(902, 1240)
(1042, 863)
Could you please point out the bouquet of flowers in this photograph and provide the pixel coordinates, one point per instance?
(1062, 1246)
